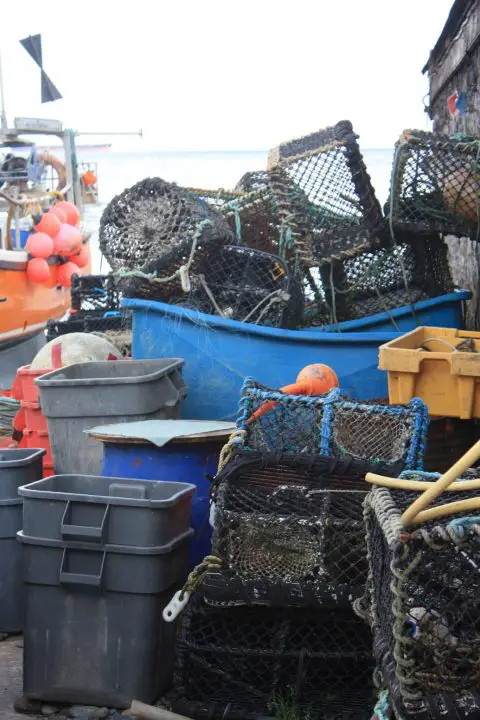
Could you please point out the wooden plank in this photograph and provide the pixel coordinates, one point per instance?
(456, 53)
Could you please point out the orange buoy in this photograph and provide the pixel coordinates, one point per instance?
(68, 240)
(71, 211)
(48, 224)
(89, 178)
(65, 272)
(38, 270)
(39, 245)
(316, 379)
(59, 213)
(81, 259)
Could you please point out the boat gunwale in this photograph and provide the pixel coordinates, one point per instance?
(317, 336)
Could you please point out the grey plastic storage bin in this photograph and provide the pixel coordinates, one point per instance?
(16, 467)
(94, 632)
(81, 396)
(106, 511)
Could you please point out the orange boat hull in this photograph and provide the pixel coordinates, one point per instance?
(26, 307)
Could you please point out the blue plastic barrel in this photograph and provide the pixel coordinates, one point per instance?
(181, 460)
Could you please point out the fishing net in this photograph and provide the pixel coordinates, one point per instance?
(240, 284)
(377, 281)
(335, 426)
(247, 663)
(289, 531)
(423, 601)
(94, 294)
(325, 196)
(435, 184)
(155, 234)
(117, 329)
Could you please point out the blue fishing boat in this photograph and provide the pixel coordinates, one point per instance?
(220, 353)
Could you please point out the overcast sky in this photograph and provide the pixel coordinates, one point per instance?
(216, 75)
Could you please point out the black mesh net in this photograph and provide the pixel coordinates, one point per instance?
(423, 600)
(243, 662)
(377, 281)
(117, 329)
(289, 531)
(335, 426)
(435, 184)
(325, 195)
(94, 295)
(240, 284)
(155, 234)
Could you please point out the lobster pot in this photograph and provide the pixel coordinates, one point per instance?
(325, 194)
(423, 602)
(158, 233)
(289, 531)
(246, 663)
(435, 185)
(240, 284)
(377, 280)
(94, 295)
(334, 426)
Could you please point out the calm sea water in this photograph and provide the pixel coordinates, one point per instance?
(117, 171)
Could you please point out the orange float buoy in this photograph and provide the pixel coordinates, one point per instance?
(38, 270)
(71, 211)
(48, 224)
(59, 213)
(65, 272)
(39, 245)
(89, 178)
(81, 260)
(316, 379)
(68, 240)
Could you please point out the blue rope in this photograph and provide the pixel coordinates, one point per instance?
(381, 710)
(460, 526)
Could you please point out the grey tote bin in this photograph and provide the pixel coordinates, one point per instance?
(101, 559)
(17, 466)
(81, 396)
(106, 511)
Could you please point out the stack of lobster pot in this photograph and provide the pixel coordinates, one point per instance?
(271, 629)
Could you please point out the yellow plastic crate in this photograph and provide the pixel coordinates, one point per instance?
(439, 365)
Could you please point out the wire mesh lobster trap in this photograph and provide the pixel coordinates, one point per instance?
(154, 235)
(325, 195)
(289, 531)
(333, 425)
(378, 280)
(240, 284)
(435, 184)
(423, 603)
(245, 663)
(94, 294)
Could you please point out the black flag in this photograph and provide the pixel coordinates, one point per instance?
(33, 45)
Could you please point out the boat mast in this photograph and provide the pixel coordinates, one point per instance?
(3, 116)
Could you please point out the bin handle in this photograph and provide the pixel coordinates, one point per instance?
(416, 513)
(84, 532)
(69, 578)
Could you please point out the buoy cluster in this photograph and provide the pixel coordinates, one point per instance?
(55, 246)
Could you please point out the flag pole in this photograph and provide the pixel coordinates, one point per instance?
(3, 116)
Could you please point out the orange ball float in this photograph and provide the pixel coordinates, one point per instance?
(38, 270)
(316, 379)
(71, 211)
(65, 272)
(68, 241)
(81, 260)
(58, 213)
(39, 245)
(48, 224)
